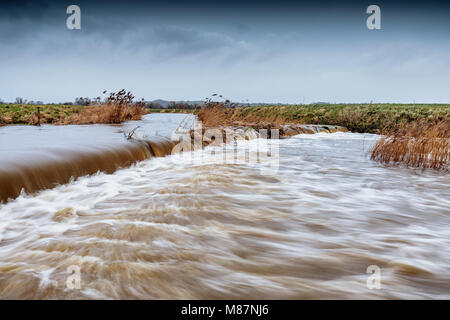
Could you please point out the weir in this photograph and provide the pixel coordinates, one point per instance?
(60, 167)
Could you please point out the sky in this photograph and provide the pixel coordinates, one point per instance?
(255, 51)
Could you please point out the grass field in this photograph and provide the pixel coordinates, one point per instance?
(56, 114)
(27, 114)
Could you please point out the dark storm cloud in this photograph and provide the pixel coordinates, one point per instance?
(113, 18)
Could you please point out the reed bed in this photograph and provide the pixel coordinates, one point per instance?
(217, 113)
(118, 107)
(417, 144)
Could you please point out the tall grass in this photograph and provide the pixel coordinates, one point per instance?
(118, 107)
(416, 144)
(216, 113)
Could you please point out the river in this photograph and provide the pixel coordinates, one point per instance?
(168, 229)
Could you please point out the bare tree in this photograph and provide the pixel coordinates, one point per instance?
(82, 101)
(20, 100)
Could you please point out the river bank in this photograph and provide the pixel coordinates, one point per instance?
(413, 135)
(11, 114)
(363, 118)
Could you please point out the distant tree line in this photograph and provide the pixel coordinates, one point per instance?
(181, 105)
(85, 101)
(20, 100)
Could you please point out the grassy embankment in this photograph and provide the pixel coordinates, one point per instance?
(358, 118)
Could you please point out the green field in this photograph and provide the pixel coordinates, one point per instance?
(356, 117)
(27, 114)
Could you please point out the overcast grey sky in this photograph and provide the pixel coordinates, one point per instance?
(290, 52)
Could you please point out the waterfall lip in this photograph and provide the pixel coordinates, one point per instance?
(37, 158)
(47, 168)
(24, 157)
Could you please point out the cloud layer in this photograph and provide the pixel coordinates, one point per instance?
(266, 53)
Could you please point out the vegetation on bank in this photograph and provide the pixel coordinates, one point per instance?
(416, 144)
(413, 135)
(27, 114)
(116, 108)
(375, 118)
(65, 114)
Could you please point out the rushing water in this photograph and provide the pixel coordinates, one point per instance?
(182, 230)
(21, 142)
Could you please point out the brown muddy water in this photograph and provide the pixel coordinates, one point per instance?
(167, 228)
(37, 158)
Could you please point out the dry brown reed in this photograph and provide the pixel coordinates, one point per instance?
(216, 113)
(4, 120)
(416, 144)
(118, 107)
(421, 143)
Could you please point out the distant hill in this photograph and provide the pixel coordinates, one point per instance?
(320, 102)
(161, 102)
(165, 103)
